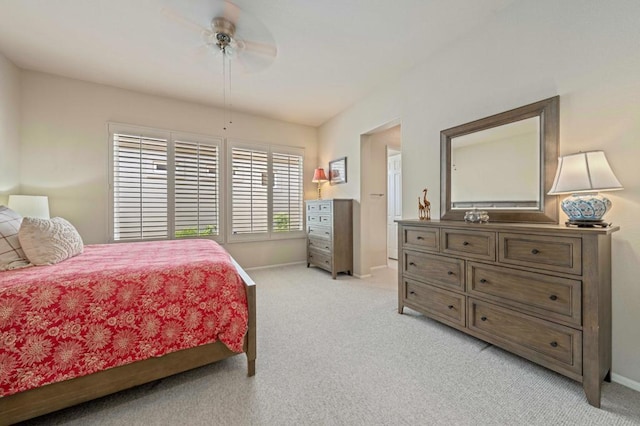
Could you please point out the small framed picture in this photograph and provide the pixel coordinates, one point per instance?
(338, 171)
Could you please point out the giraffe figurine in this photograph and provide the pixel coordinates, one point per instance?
(427, 205)
(421, 210)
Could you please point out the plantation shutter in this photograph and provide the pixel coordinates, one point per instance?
(249, 191)
(287, 192)
(197, 189)
(139, 187)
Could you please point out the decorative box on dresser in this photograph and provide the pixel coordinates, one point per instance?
(540, 291)
(330, 235)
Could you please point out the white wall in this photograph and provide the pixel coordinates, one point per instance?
(64, 150)
(9, 128)
(586, 51)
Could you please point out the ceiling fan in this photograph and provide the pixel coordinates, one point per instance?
(233, 34)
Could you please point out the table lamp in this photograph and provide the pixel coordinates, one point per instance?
(30, 205)
(319, 177)
(584, 175)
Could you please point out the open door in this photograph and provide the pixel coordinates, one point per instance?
(394, 201)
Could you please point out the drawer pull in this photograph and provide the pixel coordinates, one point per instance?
(412, 264)
(326, 232)
(466, 243)
(483, 281)
(412, 292)
(483, 318)
(420, 238)
(450, 306)
(326, 261)
(553, 297)
(449, 273)
(535, 251)
(554, 344)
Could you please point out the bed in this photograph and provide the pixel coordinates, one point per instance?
(117, 316)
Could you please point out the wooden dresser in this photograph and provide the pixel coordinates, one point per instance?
(540, 291)
(330, 235)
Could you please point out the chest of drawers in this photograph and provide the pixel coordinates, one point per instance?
(540, 291)
(330, 235)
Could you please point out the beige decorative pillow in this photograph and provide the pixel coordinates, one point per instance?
(11, 254)
(49, 241)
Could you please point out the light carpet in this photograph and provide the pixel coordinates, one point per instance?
(336, 352)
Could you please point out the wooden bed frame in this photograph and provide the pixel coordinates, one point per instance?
(46, 399)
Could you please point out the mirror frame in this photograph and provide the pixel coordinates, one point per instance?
(548, 110)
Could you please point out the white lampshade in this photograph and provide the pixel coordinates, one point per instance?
(584, 175)
(584, 172)
(30, 205)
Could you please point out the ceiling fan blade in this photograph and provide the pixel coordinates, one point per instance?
(231, 12)
(201, 51)
(256, 47)
(251, 63)
(185, 22)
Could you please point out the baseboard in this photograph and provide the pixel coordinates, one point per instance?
(279, 265)
(625, 382)
(362, 276)
(379, 267)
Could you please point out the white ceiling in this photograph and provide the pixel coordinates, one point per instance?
(330, 52)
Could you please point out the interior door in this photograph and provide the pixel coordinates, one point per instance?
(394, 203)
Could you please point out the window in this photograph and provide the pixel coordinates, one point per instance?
(196, 189)
(167, 185)
(287, 192)
(250, 191)
(266, 191)
(139, 187)
(164, 185)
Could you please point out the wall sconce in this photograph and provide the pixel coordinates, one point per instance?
(319, 177)
(30, 205)
(584, 175)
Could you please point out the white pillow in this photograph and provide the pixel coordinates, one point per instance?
(49, 241)
(11, 254)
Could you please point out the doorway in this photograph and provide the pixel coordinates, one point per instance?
(394, 200)
(379, 206)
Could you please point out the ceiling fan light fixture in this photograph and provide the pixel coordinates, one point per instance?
(223, 32)
(223, 25)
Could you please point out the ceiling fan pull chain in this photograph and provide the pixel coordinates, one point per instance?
(224, 89)
(230, 97)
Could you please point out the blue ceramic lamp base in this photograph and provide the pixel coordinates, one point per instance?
(586, 210)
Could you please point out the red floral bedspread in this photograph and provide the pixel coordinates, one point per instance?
(113, 305)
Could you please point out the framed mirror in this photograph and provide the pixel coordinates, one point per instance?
(504, 164)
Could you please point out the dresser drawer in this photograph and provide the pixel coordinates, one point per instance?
(445, 305)
(542, 295)
(319, 219)
(319, 206)
(319, 231)
(319, 258)
(550, 344)
(319, 244)
(421, 238)
(474, 244)
(437, 270)
(562, 254)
